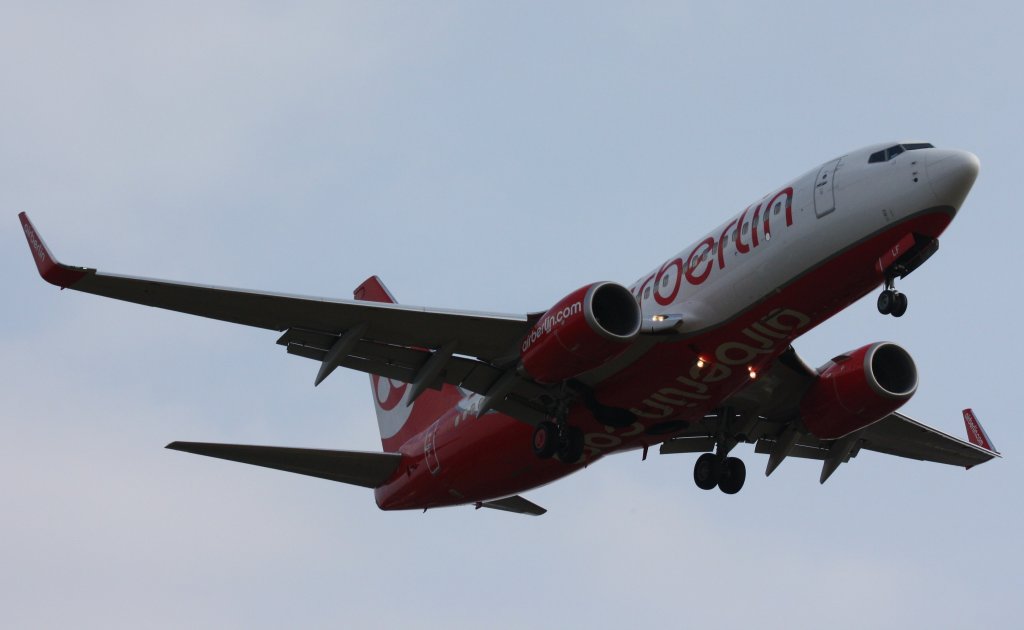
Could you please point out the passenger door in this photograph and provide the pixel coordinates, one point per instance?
(824, 189)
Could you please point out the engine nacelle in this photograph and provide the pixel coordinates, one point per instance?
(582, 331)
(857, 389)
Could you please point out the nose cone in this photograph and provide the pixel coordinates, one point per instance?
(951, 174)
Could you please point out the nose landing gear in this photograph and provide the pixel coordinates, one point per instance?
(891, 301)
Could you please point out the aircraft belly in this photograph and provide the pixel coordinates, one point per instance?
(470, 459)
(464, 458)
(666, 384)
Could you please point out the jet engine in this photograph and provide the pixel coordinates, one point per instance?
(857, 389)
(583, 330)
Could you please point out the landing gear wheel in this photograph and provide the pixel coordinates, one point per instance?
(707, 471)
(899, 306)
(570, 445)
(734, 473)
(545, 440)
(886, 301)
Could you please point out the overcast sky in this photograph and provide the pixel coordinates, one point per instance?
(488, 157)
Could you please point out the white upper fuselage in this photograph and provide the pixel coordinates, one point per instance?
(833, 207)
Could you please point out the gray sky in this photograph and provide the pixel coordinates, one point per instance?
(487, 157)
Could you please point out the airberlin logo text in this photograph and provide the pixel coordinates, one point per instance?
(34, 243)
(694, 388)
(745, 232)
(550, 322)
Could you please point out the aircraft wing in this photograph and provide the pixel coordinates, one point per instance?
(899, 435)
(896, 434)
(391, 340)
(768, 411)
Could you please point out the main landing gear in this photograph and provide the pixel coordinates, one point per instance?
(718, 469)
(563, 440)
(727, 473)
(556, 437)
(891, 301)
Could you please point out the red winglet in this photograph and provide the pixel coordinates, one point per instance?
(976, 433)
(52, 271)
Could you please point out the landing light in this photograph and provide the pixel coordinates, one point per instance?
(659, 318)
(753, 373)
(700, 362)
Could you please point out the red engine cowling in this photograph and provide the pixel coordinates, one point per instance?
(857, 389)
(585, 329)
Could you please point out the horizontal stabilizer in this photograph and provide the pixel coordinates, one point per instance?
(514, 503)
(369, 470)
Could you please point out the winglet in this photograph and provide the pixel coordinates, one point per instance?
(976, 433)
(52, 271)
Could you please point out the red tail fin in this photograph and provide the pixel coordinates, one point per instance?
(397, 419)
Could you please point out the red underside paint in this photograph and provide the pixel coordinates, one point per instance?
(475, 459)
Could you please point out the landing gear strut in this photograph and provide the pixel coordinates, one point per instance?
(891, 301)
(717, 469)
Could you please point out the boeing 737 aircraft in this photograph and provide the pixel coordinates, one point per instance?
(695, 356)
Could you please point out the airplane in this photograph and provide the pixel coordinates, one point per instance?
(694, 357)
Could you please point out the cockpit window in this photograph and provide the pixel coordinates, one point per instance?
(878, 156)
(892, 152)
(887, 154)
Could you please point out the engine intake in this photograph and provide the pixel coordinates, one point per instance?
(857, 389)
(583, 330)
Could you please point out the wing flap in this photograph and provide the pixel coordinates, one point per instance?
(368, 470)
